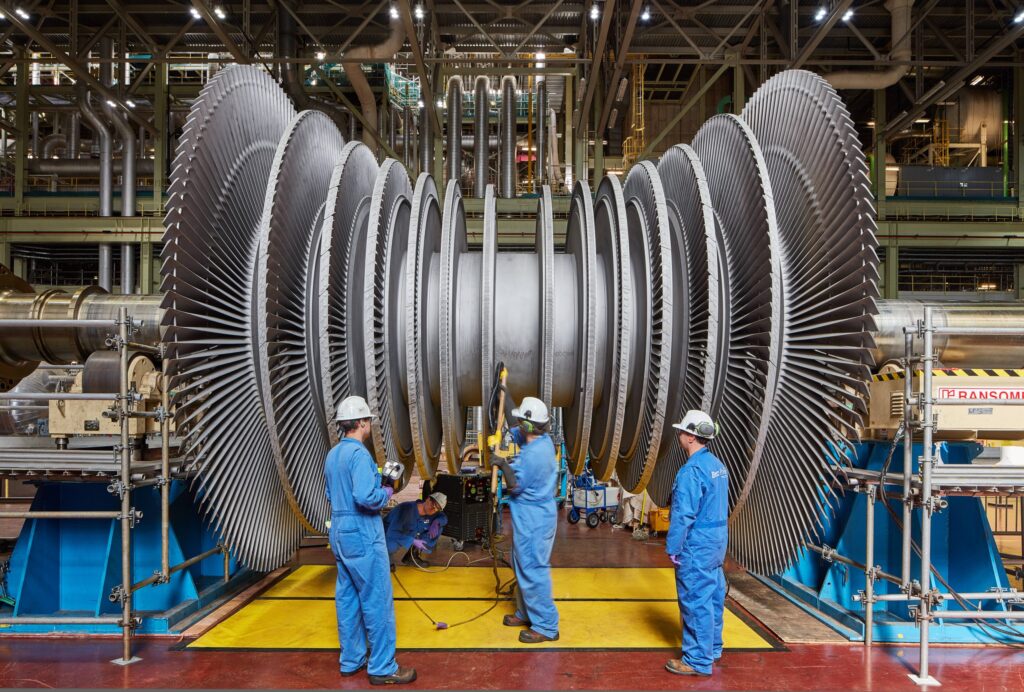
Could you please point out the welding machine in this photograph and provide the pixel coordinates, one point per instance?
(469, 504)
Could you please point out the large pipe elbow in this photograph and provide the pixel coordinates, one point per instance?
(900, 11)
(383, 52)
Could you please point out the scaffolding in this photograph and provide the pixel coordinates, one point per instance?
(126, 468)
(923, 493)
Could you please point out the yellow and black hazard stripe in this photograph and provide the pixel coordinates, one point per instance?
(954, 372)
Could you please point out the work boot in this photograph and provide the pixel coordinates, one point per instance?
(350, 673)
(403, 675)
(679, 668)
(513, 621)
(531, 637)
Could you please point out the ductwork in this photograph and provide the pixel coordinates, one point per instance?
(426, 142)
(900, 10)
(507, 139)
(74, 148)
(384, 52)
(51, 143)
(542, 135)
(453, 161)
(128, 179)
(481, 151)
(554, 166)
(407, 136)
(85, 167)
(106, 174)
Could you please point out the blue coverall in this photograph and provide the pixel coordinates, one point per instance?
(403, 524)
(697, 535)
(534, 518)
(362, 596)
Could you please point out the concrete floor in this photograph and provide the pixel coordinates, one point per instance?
(816, 658)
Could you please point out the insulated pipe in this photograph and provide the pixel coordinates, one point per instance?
(51, 143)
(384, 52)
(73, 150)
(426, 142)
(900, 10)
(105, 277)
(481, 150)
(407, 136)
(128, 183)
(953, 350)
(507, 138)
(392, 127)
(453, 160)
(542, 135)
(85, 167)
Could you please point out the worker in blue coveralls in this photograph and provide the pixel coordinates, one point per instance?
(531, 480)
(365, 605)
(696, 543)
(416, 524)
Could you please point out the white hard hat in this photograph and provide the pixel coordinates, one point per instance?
(531, 409)
(353, 408)
(697, 423)
(440, 498)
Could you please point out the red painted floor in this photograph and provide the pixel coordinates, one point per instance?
(78, 662)
(84, 663)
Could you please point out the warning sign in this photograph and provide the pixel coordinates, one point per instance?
(981, 393)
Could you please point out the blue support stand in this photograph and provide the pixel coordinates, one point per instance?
(68, 567)
(964, 552)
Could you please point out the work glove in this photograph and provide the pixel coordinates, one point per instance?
(389, 491)
(419, 545)
(435, 529)
(674, 559)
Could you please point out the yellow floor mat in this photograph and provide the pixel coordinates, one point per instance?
(298, 613)
(568, 583)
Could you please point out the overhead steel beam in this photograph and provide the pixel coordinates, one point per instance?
(218, 29)
(837, 12)
(620, 61)
(368, 127)
(679, 29)
(483, 31)
(162, 53)
(405, 11)
(83, 52)
(538, 25)
(76, 67)
(131, 23)
(362, 25)
(684, 110)
(955, 81)
(595, 63)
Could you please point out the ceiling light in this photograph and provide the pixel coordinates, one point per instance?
(111, 103)
(848, 16)
(418, 11)
(420, 104)
(820, 14)
(219, 11)
(21, 13)
(195, 13)
(646, 16)
(594, 11)
(3, 16)
(440, 103)
(978, 80)
(312, 82)
(131, 104)
(320, 55)
(922, 121)
(394, 12)
(1019, 18)
(540, 60)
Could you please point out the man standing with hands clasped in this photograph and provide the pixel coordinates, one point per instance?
(365, 605)
(696, 543)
